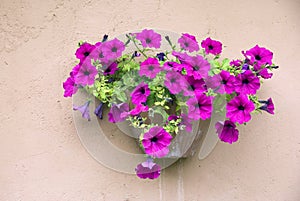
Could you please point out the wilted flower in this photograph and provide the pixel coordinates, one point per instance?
(99, 111)
(84, 109)
(148, 169)
(268, 106)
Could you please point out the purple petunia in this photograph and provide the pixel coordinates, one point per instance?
(200, 107)
(236, 63)
(259, 55)
(149, 38)
(150, 67)
(227, 131)
(118, 112)
(268, 106)
(99, 111)
(222, 83)
(247, 83)
(197, 67)
(139, 109)
(148, 169)
(140, 94)
(194, 87)
(111, 69)
(211, 46)
(187, 122)
(262, 71)
(84, 51)
(86, 74)
(239, 109)
(156, 142)
(113, 48)
(69, 87)
(188, 42)
(175, 82)
(84, 109)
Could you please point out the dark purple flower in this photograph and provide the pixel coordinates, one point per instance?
(105, 37)
(175, 82)
(111, 69)
(227, 131)
(99, 111)
(188, 42)
(136, 54)
(247, 83)
(194, 87)
(156, 142)
(268, 106)
(148, 169)
(84, 51)
(211, 46)
(140, 94)
(161, 56)
(86, 74)
(239, 109)
(117, 112)
(245, 67)
(222, 83)
(197, 67)
(113, 48)
(69, 87)
(259, 55)
(199, 107)
(84, 109)
(149, 38)
(150, 67)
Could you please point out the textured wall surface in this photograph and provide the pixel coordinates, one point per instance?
(41, 157)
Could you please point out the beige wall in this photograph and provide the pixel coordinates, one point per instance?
(41, 157)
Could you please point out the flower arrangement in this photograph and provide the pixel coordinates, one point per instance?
(182, 86)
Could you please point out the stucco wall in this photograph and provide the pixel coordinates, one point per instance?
(41, 157)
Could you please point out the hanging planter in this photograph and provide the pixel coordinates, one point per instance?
(163, 90)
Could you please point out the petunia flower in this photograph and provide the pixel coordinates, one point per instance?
(175, 82)
(113, 48)
(84, 109)
(111, 69)
(156, 142)
(182, 57)
(262, 71)
(197, 67)
(247, 83)
(222, 82)
(188, 42)
(149, 38)
(268, 106)
(86, 74)
(139, 109)
(148, 169)
(161, 56)
(199, 107)
(194, 87)
(84, 51)
(239, 109)
(140, 94)
(227, 131)
(173, 66)
(187, 122)
(117, 111)
(211, 46)
(150, 67)
(99, 111)
(236, 63)
(259, 55)
(69, 87)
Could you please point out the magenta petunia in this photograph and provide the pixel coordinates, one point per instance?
(222, 82)
(149, 38)
(199, 107)
(175, 82)
(259, 55)
(84, 51)
(173, 66)
(69, 87)
(84, 109)
(111, 69)
(194, 87)
(86, 74)
(236, 63)
(156, 142)
(187, 122)
(227, 131)
(247, 83)
(118, 112)
(148, 169)
(139, 109)
(150, 67)
(140, 94)
(197, 67)
(211, 46)
(262, 71)
(188, 42)
(182, 57)
(113, 48)
(268, 106)
(239, 109)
